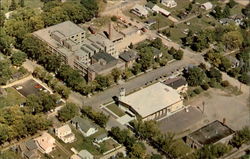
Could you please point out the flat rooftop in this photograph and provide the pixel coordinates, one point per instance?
(152, 99)
(211, 133)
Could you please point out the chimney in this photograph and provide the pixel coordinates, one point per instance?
(110, 30)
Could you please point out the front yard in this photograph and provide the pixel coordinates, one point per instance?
(115, 109)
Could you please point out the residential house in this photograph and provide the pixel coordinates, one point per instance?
(129, 57)
(84, 126)
(169, 3)
(215, 132)
(29, 149)
(101, 138)
(207, 6)
(103, 64)
(178, 83)
(140, 11)
(46, 143)
(160, 10)
(65, 134)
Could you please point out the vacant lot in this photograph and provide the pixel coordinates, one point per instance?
(12, 98)
(222, 104)
(29, 87)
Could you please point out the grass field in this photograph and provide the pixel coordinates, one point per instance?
(115, 109)
(11, 99)
(108, 145)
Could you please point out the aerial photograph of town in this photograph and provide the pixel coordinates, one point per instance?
(124, 79)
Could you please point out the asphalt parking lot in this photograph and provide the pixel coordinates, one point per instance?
(29, 87)
(181, 121)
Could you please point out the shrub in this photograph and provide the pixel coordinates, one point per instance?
(213, 83)
(197, 90)
(205, 86)
(225, 83)
(114, 18)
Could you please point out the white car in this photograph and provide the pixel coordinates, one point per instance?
(19, 87)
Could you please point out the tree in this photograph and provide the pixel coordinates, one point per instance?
(138, 151)
(241, 137)
(231, 3)
(215, 73)
(195, 76)
(21, 3)
(116, 73)
(13, 5)
(232, 40)
(157, 43)
(217, 13)
(5, 72)
(2, 19)
(226, 12)
(102, 81)
(136, 68)
(156, 156)
(114, 18)
(225, 64)
(178, 55)
(146, 59)
(18, 58)
(212, 151)
(153, 1)
(5, 42)
(91, 6)
(245, 78)
(69, 111)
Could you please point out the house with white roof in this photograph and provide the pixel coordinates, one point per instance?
(140, 11)
(153, 102)
(46, 143)
(207, 6)
(65, 134)
(83, 154)
(169, 3)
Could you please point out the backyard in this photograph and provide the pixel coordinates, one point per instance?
(12, 98)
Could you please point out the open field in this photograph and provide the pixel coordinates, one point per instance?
(11, 99)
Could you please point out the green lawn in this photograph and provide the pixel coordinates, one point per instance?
(115, 109)
(11, 99)
(161, 19)
(108, 145)
(196, 25)
(59, 154)
(27, 3)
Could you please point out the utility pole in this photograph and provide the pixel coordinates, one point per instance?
(203, 107)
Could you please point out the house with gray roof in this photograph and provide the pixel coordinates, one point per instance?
(84, 126)
(103, 64)
(102, 137)
(213, 133)
(29, 149)
(177, 83)
(129, 57)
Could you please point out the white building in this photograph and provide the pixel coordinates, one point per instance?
(207, 6)
(140, 11)
(152, 102)
(65, 134)
(83, 154)
(169, 3)
(160, 10)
